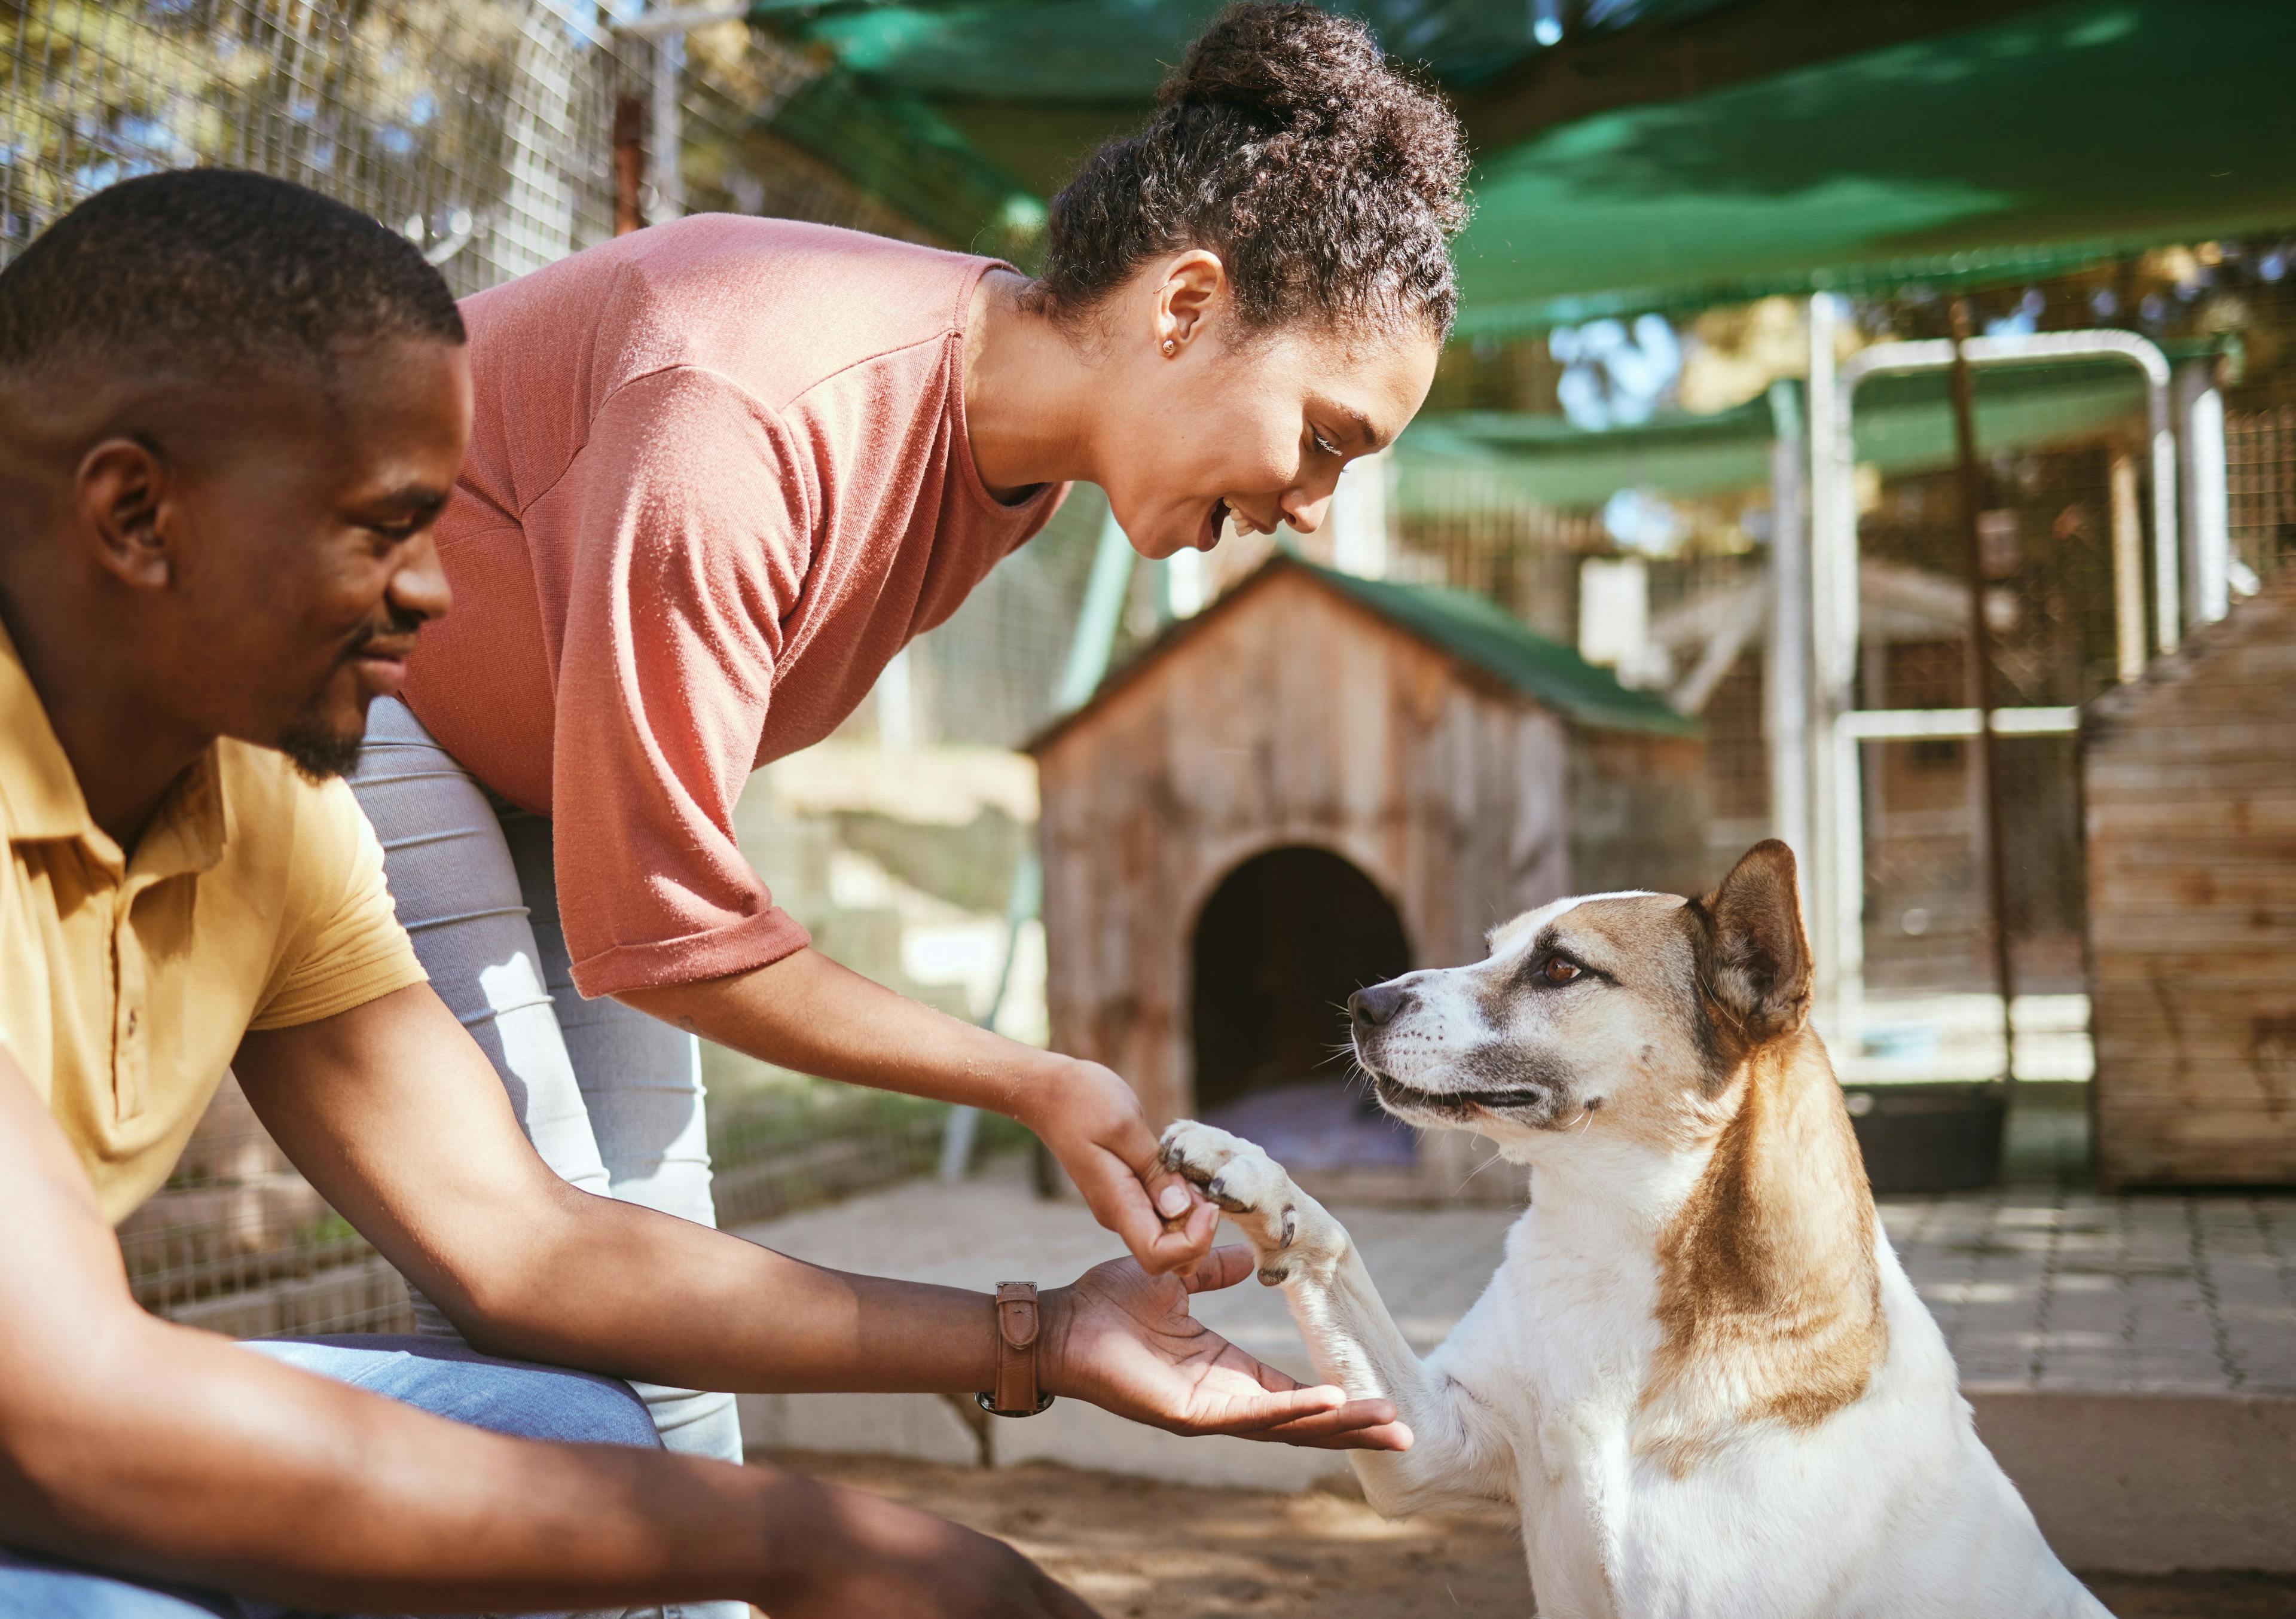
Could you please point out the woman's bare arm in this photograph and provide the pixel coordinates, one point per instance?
(806, 1012)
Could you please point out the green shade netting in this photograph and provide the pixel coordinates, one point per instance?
(2015, 149)
(1900, 424)
(2012, 150)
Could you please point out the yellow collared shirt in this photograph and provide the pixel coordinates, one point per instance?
(253, 900)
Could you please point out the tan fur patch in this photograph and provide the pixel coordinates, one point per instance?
(1769, 1294)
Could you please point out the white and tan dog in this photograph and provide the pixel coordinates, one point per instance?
(1701, 1373)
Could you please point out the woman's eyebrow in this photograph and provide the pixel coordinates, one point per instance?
(1364, 433)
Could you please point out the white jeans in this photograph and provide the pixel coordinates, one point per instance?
(611, 1098)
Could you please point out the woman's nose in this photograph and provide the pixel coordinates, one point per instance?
(1306, 512)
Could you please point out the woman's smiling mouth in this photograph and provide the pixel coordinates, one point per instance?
(1215, 520)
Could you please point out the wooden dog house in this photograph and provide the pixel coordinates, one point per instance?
(2189, 793)
(1319, 782)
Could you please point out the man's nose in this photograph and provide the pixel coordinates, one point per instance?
(1380, 1004)
(419, 589)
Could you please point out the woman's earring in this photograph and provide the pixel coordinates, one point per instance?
(1171, 346)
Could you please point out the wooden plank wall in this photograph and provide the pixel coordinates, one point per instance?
(1294, 716)
(2189, 786)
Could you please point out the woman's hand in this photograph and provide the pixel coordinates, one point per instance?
(1124, 1340)
(1092, 1121)
(805, 1012)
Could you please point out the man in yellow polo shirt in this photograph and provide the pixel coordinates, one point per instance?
(229, 411)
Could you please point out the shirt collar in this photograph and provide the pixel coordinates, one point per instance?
(40, 796)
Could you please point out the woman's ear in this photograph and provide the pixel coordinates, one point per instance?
(1758, 962)
(1193, 284)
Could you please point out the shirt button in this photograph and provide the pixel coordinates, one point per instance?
(131, 1022)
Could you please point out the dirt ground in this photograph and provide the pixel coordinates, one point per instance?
(1139, 1549)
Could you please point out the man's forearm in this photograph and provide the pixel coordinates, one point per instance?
(168, 1453)
(806, 1012)
(589, 1279)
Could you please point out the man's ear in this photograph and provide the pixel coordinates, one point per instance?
(1757, 962)
(123, 494)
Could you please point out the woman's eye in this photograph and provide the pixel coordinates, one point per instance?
(1324, 444)
(1559, 971)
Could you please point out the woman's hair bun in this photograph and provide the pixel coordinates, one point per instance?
(1328, 182)
(1291, 64)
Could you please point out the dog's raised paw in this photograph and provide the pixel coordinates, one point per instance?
(1242, 1180)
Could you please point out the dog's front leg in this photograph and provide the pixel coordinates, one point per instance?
(1456, 1458)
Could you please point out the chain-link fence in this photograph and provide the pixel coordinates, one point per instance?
(500, 135)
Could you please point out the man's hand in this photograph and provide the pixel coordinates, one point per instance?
(1092, 1121)
(1124, 1340)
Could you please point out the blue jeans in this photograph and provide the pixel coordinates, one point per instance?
(441, 1376)
(611, 1098)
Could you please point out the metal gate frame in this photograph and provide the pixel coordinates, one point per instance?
(1837, 897)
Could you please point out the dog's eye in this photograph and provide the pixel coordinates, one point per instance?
(1559, 971)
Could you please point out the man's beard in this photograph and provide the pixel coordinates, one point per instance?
(319, 751)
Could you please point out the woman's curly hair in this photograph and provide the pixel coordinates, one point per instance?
(1327, 182)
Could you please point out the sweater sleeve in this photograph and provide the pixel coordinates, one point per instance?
(692, 536)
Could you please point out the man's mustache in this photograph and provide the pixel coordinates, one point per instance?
(392, 635)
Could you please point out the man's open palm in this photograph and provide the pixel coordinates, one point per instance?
(1128, 1345)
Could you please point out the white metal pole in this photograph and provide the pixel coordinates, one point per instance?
(2128, 569)
(2167, 555)
(1786, 680)
(1838, 884)
(2207, 516)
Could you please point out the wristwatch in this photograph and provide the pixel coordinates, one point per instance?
(1017, 1394)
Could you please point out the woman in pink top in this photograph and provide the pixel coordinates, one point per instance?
(725, 469)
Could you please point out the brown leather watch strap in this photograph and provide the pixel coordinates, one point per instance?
(1017, 1394)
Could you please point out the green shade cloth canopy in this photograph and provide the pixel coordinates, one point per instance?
(2018, 149)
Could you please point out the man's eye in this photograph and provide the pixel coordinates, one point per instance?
(1324, 444)
(1559, 971)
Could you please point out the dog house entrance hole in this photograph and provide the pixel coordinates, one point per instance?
(1280, 945)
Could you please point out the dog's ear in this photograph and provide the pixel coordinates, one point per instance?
(1756, 957)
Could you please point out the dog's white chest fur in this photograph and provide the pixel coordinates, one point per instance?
(1891, 1508)
(1770, 1522)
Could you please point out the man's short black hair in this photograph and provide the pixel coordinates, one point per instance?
(201, 273)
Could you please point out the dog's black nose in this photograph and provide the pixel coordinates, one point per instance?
(1378, 1004)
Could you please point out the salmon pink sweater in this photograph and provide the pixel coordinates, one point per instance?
(718, 478)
